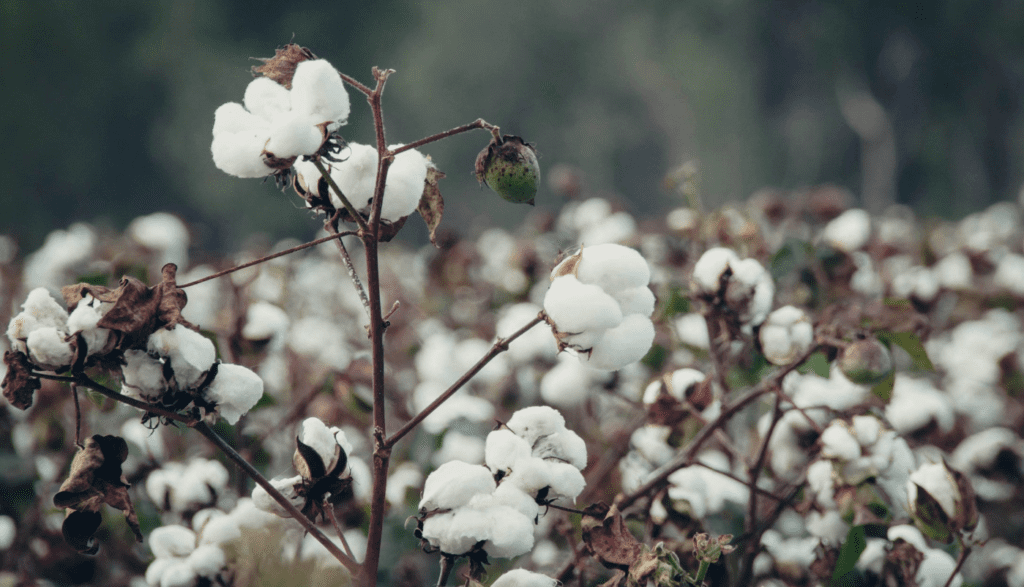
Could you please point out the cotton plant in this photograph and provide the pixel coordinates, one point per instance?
(599, 306)
(489, 510)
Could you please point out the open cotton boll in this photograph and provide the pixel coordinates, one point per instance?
(40, 310)
(786, 334)
(453, 484)
(263, 321)
(266, 99)
(355, 175)
(534, 344)
(84, 319)
(48, 348)
(535, 422)
(524, 578)
(235, 390)
(172, 541)
(611, 266)
(207, 560)
(635, 300)
(262, 500)
(936, 568)
(915, 403)
(291, 135)
(318, 93)
(503, 448)
(318, 437)
(564, 445)
(937, 480)
(143, 375)
(750, 291)
(405, 184)
(849, 231)
(191, 354)
(576, 307)
(837, 442)
(712, 265)
(626, 343)
(1009, 274)
(238, 141)
(829, 526)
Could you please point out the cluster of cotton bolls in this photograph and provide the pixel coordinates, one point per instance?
(743, 286)
(187, 487)
(534, 459)
(599, 305)
(277, 122)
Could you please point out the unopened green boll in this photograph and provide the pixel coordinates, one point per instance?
(866, 362)
(509, 167)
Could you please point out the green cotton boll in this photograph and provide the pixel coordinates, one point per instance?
(509, 167)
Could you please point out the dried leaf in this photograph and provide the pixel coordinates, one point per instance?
(95, 479)
(281, 67)
(605, 533)
(138, 311)
(431, 206)
(19, 385)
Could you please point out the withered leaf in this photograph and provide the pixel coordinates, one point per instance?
(431, 207)
(95, 479)
(605, 533)
(281, 67)
(19, 385)
(138, 311)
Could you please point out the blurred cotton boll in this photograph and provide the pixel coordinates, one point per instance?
(786, 334)
(165, 234)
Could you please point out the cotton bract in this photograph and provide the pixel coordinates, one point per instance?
(279, 124)
(600, 306)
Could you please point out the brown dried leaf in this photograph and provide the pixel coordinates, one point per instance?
(281, 67)
(19, 385)
(95, 479)
(605, 534)
(431, 206)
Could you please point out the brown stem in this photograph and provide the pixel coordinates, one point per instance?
(84, 380)
(686, 456)
(332, 227)
(78, 417)
(341, 196)
(478, 123)
(336, 235)
(750, 524)
(355, 83)
(447, 564)
(341, 533)
(497, 348)
(714, 323)
(381, 453)
(260, 480)
(965, 550)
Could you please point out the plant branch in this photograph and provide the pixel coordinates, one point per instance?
(381, 453)
(87, 382)
(496, 349)
(331, 226)
(355, 83)
(750, 523)
(341, 533)
(260, 480)
(336, 235)
(478, 123)
(965, 551)
(337, 191)
(686, 456)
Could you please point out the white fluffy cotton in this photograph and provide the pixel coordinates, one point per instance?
(235, 390)
(786, 334)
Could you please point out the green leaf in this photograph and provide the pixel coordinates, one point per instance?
(677, 303)
(655, 358)
(911, 343)
(816, 363)
(856, 542)
(883, 390)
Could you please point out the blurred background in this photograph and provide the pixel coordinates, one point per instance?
(108, 105)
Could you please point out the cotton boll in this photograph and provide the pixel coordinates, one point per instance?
(85, 318)
(954, 272)
(837, 442)
(266, 99)
(511, 533)
(692, 329)
(164, 233)
(577, 307)
(143, 375)
(47, 347)
(207, 560)
(936, 568)
(286, 486)
(524, 578)
(40, 310)
(635, 300)
(829, 526)
(503, 448)
(567, 383)
(821, 480)
(786, 334)
(535, 422)
(564, 445)
(710, 268)
(458, 446)
(238, 142)
(191, 354)
(1009, 275)
(320, 340)
(235, 390)
(611, 266)
(405, 184)
(263, 321)
(615, 228)
(915, 403)
(508, 494)
(626, 343)
(849, 231)
(318, 92)
(180, 575)
(318, 437)
(454, 484)
(355, 176)
(937, 480)
(292, 135)
(651, 442)
(172, 541)
(750, 291)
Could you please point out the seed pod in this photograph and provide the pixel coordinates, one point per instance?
(866, 362)
(509, 167)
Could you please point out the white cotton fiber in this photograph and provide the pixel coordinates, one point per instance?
(576, 307)
(626, 343)
(318, 93)
(613, 267)
(235, 390)
(266, 99)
